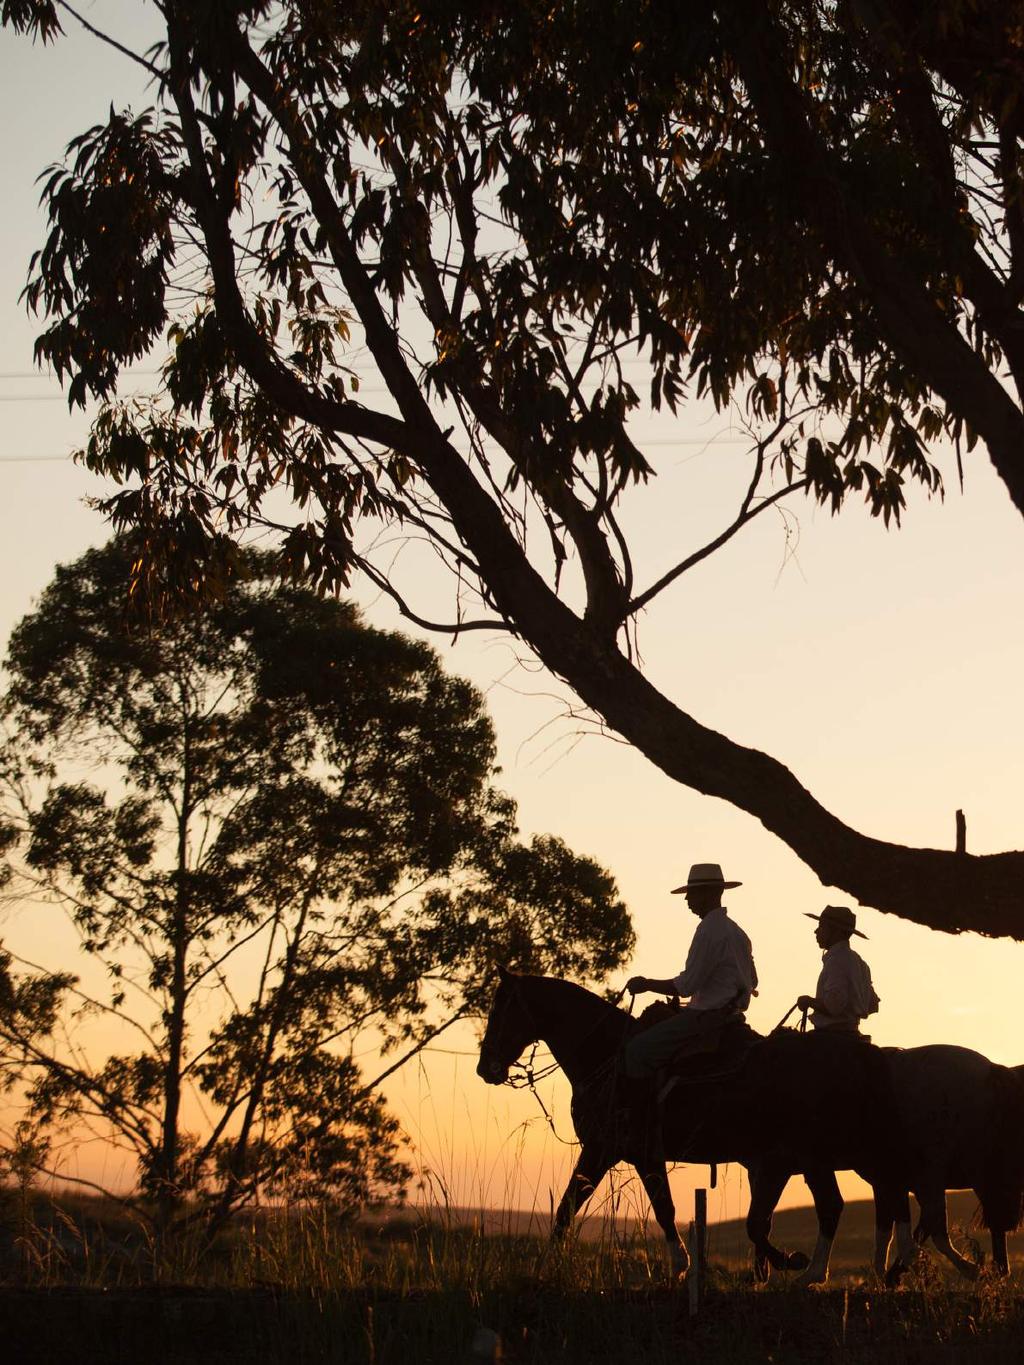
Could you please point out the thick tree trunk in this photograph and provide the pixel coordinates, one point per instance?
(943, 890)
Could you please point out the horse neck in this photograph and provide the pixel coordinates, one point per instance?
(580, 1029)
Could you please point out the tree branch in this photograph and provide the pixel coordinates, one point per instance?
(389, 1071)
(743, 519)
(909, 317)
(159, 76)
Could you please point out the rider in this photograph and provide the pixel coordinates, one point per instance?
(719, 977)
(844, 994)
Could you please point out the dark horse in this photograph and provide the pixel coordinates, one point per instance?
(962, 1118)
(797, 1104)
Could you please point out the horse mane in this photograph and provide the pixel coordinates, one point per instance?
(571, 989)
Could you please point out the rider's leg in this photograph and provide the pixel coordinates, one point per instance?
(653, 1047)
(645, 1055)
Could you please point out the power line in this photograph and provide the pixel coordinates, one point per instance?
(38, 374)
(657, 441)
(137, 393)
(32, 459)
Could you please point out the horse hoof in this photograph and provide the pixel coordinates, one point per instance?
(894, 1275)
(807, 1280)
(797, 1260)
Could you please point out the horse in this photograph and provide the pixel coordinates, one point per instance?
(959, 1136)
(760, 1118)
(797, 1104)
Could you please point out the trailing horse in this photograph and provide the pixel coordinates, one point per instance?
(807, 1104)
(962, 1129)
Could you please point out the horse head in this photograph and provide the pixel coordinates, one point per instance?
(509, 1031)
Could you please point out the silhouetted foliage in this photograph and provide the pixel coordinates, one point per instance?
(813, 211)
(275, 833)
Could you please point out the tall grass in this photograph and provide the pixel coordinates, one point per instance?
(413, 1288)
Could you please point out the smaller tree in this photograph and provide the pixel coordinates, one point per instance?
(275, 832)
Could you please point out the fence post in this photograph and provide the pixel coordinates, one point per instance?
(697, 1245)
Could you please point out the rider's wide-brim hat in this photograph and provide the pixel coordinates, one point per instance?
(704, 874)
(840, 915)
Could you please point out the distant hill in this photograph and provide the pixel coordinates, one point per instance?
(794, 1229)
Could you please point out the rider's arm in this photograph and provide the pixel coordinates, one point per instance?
(811, 1002)
(832, 993)
(705, 950)
(636, 984)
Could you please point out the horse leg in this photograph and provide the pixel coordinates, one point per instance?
(654, 1175)
(999, 1255)
(590, 1169)
(892, 1224)
(884, 1225)
(828, 1205)
(933, 1224)
(766, 1186)
(1001, 1213)
(906, 1246)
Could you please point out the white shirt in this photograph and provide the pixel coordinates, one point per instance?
(719, 966)
(844, 988)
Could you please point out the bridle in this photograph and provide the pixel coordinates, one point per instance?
(527, 1078)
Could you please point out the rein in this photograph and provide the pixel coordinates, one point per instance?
(528, 1081)
(785, 1018)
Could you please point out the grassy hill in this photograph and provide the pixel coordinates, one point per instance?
(795, 1229)
(296, 1287)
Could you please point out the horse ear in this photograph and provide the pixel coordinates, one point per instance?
(503, 971)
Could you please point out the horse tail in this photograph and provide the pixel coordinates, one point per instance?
(1002, 1193)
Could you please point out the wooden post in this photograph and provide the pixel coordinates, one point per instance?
(961, 832)
(693, 1274)
(697, 1245)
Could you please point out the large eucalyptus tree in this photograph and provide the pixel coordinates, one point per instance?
(813, 208)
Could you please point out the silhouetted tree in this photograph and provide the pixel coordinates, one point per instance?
(274, 831)
(815, 208)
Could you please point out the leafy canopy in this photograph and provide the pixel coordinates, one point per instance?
(528, 209)
(275, 833)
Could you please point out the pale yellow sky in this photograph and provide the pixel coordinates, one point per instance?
(881, 667)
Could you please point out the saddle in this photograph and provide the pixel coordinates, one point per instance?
(716, 1049)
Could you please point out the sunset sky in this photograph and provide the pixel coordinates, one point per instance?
(882, 667)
